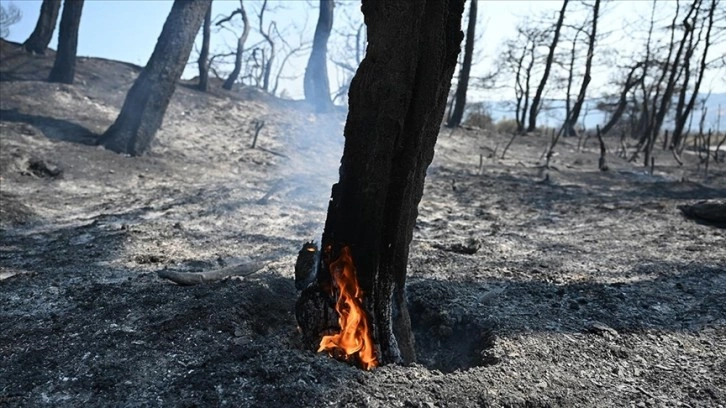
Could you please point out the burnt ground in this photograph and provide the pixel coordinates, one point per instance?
(528, 287)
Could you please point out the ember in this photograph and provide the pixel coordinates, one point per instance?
(354, 339)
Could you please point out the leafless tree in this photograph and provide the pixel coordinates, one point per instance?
(203, 60)
(147, 100)
(315, 83)
(64, 66)
(536, 100)
(242, 39)
(43, 32)
(9, 16)
(457, 113)
(683, 109)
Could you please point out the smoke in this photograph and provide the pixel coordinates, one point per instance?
(314, 154)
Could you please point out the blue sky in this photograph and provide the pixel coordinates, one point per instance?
(127, 30)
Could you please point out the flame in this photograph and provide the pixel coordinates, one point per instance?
(355, 335)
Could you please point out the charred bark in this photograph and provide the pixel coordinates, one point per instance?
(534, 110)
(315, 82)
(463, 83)
(232, 78)
(147, 100)
(683, 114)
(630, 82)
(64, 66)
(575, 114)
(203, 61)
(43, 32)
(397, 101)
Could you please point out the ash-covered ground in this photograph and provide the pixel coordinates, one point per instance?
(528, 287)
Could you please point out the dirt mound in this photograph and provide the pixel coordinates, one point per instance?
(528, 286)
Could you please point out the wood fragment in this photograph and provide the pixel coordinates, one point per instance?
(196, 278)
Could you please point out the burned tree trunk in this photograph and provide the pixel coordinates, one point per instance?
(234, 75)
(203, 61)
(534, 110)
(43, 32)
(463, 84)
(315, 82)
(397, 101)
(147, 100)
(64, 66)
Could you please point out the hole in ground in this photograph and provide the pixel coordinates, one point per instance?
(451, 333)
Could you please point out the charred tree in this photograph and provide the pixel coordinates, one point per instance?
(574, 115)
(234, 75)
(147, 100)
(203, 61)
(630, 82)
(684, 110)
(534, 109)
(43, 32)
(668, 76)
(64, 66)
(315, 82)
(397, 100)
(463, 83)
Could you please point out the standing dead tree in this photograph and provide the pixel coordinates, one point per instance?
(43, 32)
(64, 66)
(683, 109)
(457, 113)
(241, 40)
(147, 100)
(267, 59)
(397, 101)
(534, 109)
(203, 60)
(591, 38)
(520, 58)
(315, 83)
(9, 16)
(628, 85)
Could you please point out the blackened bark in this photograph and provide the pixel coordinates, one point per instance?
(315, 82)
(672, 68)
(234, 75)
(460, 97)
(43, 32)
(527, 82)
(397, 100)
(64, 66)
(147, 100)
(683, 116)
(588, 69)
(534, 109)
(203, 62)
(623, 100)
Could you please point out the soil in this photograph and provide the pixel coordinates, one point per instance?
(528, 286)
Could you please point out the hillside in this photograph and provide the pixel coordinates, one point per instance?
(528, 286)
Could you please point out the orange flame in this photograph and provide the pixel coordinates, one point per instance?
(355, 336)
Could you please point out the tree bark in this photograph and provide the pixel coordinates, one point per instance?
(397, 100)
(534, 109)
(683, 116)
(623, 100)
(234, 75)
(64, 66)
(43, 32)
(671, 70)
(460, 97)
(315, 82)
(203, 61)
(575, 114)
(147, 100)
